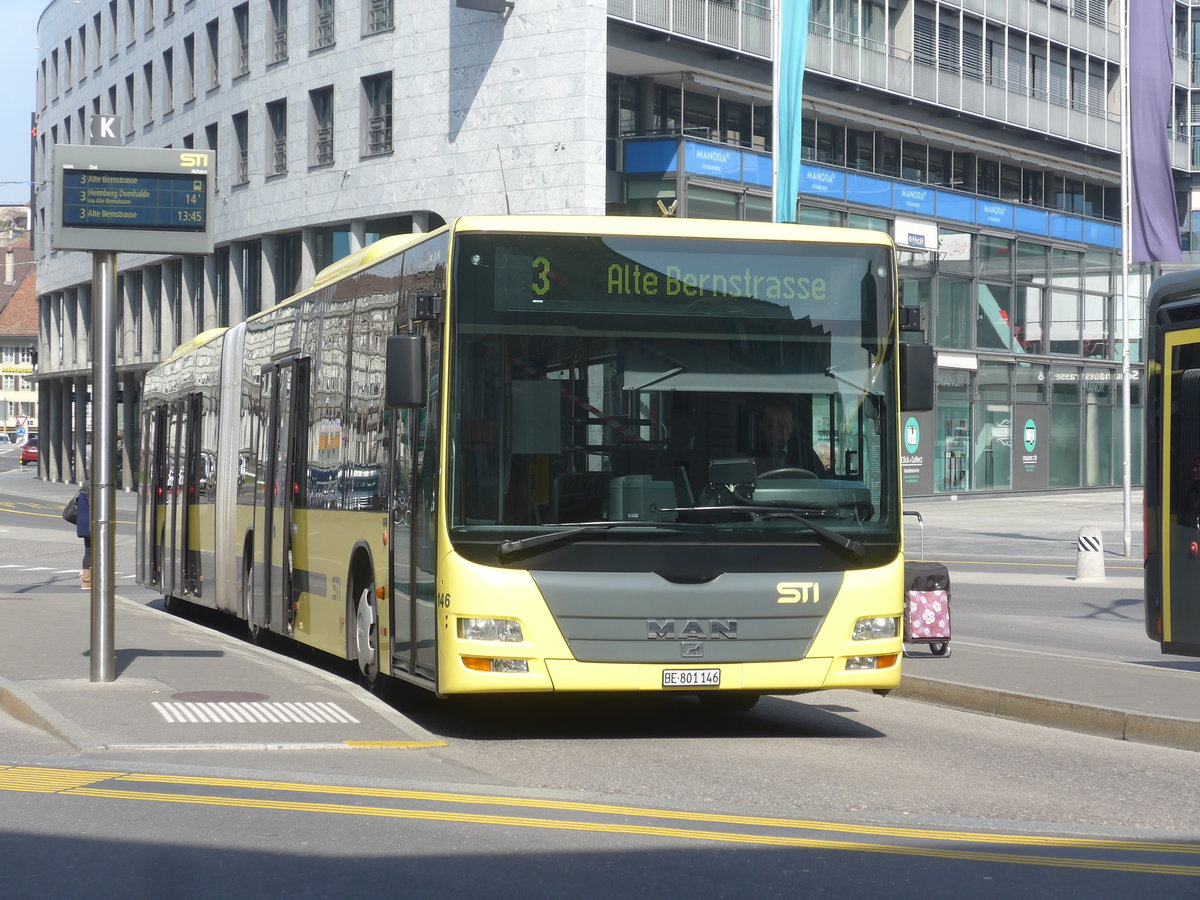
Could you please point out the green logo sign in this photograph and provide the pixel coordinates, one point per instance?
(912, 435)
(1030, 436)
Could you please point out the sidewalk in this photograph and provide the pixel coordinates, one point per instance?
(179, 684)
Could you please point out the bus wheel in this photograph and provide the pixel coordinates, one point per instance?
(729, 701)
(366, 635)
(254, 631)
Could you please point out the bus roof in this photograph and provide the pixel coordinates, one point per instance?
(198, 341)
(622, 226)
(645, 226)
(367, 256)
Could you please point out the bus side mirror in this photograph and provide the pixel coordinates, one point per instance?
(916, 377)
(404, 374)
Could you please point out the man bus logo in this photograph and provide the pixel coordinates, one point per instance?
(798, 592)
(193, 160)
(692, 630)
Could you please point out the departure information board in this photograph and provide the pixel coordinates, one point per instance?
(132, 199)
(100, 199)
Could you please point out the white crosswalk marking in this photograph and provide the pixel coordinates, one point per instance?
(217, 713)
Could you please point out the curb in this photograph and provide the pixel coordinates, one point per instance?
(1098, 721)
(25, 707)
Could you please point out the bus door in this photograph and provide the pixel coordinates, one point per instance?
(1180, 508)
(414, 440)
(282, 486)
(189, 496)
(151, 534)
(172, 508)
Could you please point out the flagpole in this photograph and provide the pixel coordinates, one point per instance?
(1126, 227)
(776, 49)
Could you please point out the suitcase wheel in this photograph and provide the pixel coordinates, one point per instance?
(941, 648)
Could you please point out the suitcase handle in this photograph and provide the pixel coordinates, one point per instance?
(921, 522)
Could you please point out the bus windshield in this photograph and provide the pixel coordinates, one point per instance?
(692, 390)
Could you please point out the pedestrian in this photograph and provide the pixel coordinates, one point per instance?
(78, 510)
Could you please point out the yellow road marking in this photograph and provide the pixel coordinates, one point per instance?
(609, 809)
(393, 745)
(81, 783)
(8, 507)
(644, 830)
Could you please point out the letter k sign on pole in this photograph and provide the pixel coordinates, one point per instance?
(104, 130)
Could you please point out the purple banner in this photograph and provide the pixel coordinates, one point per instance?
(1154, 220)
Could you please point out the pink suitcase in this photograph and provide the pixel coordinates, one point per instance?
(927, 602)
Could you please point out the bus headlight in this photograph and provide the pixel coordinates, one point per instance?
(875, 628)
(486, 664)
(507, 630)
(858, 663)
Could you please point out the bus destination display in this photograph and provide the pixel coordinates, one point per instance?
(117, 199)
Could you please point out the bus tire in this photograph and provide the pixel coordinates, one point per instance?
(254, 632)
(365, 636)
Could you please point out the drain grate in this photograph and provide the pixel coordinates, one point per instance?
(254, 712)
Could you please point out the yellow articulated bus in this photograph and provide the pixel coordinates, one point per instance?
(1171, 480)
(555, 454)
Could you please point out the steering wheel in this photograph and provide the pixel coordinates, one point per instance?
(789, 472)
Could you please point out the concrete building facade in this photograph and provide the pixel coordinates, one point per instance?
(983, 135)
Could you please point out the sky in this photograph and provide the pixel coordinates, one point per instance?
(18, 70)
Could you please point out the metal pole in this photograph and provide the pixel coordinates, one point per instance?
(776, 50)
(1126, 220)
(104, 432)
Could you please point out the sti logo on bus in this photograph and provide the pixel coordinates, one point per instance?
(193, 160)
(798, 592)
(692, 630)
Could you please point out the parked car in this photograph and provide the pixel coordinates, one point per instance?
(29, 451)
(4, 438)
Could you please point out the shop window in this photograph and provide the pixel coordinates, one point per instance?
(1029, 383)
(759, 208)
(995, 256)
(991, 381)
(955, 257)
(708, 203)
(860, 149)
(1031, 262)
(871, 223)
(955, 312)
(831, 144)
(1097, 333)
(1099, 271)
(941, 170)
(1065, 330)
(994, 331)
(1064, 445)
(992, 451)
(952, 456)
(1064, 381)
(812, 215)
(913, 162)
(1032, 187)
(888, 159)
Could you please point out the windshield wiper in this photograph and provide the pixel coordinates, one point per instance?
(508, 548)
(836, 538)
